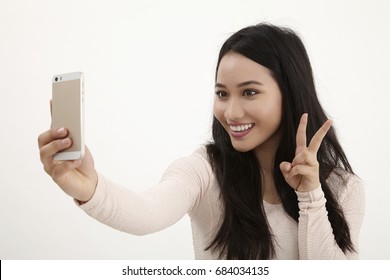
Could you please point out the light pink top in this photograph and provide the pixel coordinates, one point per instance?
(189, 186)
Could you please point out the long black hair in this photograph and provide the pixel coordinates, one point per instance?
(245, 232)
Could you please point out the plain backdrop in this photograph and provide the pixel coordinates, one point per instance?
(149, 68)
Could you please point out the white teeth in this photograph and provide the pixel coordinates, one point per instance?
(238, 128)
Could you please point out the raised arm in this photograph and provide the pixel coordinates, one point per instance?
(146, 212)
(315, 235)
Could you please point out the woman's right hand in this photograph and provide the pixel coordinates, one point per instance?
(77, 178)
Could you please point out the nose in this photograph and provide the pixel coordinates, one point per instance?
(234, 110)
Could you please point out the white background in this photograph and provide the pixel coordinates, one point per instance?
(149, 69)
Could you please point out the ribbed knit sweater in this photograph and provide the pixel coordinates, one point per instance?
(189, 186)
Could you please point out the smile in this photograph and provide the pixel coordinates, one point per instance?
(239, 131)
(241, 128)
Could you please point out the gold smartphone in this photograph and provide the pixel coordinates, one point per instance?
(68, 112)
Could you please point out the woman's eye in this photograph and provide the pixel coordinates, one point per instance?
(250, 92)
(221, 94)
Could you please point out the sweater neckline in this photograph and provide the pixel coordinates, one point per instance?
(271, 204)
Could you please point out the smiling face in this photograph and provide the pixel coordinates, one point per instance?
(248, 104)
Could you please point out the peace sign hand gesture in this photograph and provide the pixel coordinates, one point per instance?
(302, 174)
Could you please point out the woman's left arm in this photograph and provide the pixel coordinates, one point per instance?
(315, 234)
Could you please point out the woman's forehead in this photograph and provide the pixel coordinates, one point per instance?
(236, 68)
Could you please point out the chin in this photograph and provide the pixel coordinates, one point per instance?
(242, 149)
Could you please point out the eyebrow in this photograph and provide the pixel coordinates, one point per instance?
(240, 84)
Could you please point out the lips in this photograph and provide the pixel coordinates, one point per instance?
(240, 130)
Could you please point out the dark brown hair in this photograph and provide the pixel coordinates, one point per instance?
(245, 233)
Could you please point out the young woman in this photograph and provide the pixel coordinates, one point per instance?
(273, 184)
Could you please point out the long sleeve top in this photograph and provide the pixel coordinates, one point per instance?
(189, 186)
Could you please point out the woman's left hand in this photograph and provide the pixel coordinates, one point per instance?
(302, 174)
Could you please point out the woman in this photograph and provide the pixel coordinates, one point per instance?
(275, 182)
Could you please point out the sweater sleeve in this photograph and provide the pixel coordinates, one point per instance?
(315, 234)
(155, 209)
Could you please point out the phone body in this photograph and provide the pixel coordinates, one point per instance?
(68, 112)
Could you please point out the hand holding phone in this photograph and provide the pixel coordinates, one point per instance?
(61, 148)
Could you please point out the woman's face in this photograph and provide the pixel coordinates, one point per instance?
(248, 103)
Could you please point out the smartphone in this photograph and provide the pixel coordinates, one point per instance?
(68, 112)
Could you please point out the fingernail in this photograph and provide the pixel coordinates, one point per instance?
(61, 130)
(65, 141)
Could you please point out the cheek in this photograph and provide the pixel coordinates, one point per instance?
(269, 111)
(275, 112)
(219, 114)
(218, 111)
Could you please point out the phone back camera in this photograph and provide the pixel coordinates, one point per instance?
(56, 79)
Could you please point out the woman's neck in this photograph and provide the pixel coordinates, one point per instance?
(265, 155)
(270, 194)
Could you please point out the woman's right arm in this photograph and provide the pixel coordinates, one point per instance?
(77, 178)
(121, 208)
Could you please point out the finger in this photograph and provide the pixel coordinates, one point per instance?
(316, 141)
(301, 133)
(305, 157)
(50, 135)
(285, 167)
(302, 170)
(48, 151)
